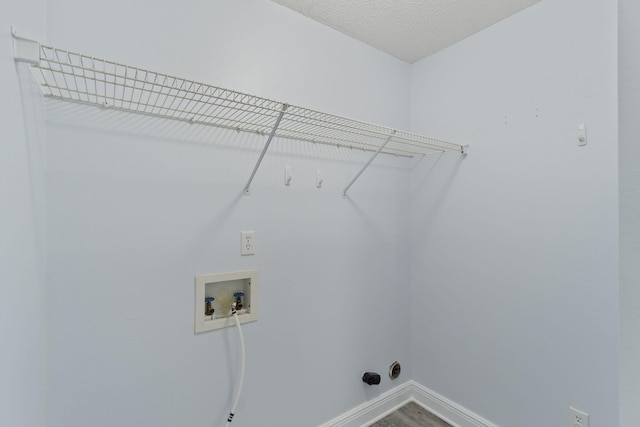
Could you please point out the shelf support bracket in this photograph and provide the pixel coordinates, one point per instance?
(355, 178)
(247, 190)
(25, 50)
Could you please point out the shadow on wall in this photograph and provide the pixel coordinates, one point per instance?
(217, 224)
(33, 116)
(434, 175)
(112, 121)
(114, 126)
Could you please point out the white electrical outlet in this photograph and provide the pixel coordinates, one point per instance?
(578, 418)
(248, 243)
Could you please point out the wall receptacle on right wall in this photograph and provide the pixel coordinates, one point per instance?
(578, 418)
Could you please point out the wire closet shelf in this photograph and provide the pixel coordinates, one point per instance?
(85, 79)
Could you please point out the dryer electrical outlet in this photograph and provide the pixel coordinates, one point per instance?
(243, 285)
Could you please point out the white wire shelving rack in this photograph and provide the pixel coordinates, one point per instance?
(88, 80)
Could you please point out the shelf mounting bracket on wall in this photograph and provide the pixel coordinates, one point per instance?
(247, 189)
(25, 50)
(366, 165)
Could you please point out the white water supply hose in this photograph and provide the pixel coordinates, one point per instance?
(242, 363)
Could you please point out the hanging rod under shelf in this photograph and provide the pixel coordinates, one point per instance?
(85, 79)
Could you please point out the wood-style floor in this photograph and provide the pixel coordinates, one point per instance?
(411, 415)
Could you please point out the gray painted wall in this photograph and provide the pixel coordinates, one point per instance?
(629, 129)
(22, 281)
(138, 206)
(515, 248)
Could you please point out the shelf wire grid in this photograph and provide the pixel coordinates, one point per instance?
(76, 77)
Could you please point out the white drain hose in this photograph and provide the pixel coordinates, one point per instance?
(242, 363)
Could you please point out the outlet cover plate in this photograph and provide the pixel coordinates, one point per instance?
(577, 418)
(247, 243)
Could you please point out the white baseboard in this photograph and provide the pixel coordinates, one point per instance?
(446, 409)
(376, 409)
(373, 410)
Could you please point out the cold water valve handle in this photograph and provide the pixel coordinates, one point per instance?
(238, 296)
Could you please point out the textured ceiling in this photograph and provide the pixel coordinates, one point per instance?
(408, 29)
